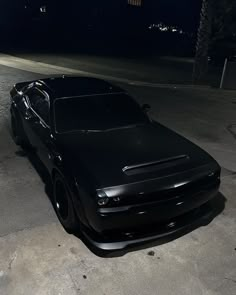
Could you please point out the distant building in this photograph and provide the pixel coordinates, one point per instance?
(135, 2)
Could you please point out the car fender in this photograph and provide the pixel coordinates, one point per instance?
(74, 189)
(15, 112)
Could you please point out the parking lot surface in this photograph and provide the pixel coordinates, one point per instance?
(38, 257)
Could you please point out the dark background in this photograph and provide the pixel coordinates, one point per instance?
(104, 25)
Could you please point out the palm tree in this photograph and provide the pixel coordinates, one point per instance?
(217, 22)
(224, 22)
(203, 41)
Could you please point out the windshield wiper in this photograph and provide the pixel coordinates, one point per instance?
(91, 130)
(124, 127)
(105, 130)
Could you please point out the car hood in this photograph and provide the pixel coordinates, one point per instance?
(130, 155)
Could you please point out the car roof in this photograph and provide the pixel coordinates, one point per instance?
(67, 86)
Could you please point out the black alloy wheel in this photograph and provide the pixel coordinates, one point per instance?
(63, 205)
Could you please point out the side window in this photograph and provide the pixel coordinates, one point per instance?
(39, 104)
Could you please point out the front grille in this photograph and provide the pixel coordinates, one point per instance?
(202, 184)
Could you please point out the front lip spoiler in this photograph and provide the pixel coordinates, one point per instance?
(204, 217)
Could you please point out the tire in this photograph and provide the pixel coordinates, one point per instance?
(18, 134)
(63, 205)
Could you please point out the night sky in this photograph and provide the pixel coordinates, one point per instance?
(183, 13)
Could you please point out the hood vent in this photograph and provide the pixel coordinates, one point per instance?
(155, 165)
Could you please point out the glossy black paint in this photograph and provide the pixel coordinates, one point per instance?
(152, 177)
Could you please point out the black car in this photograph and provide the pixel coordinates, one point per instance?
(118, 176)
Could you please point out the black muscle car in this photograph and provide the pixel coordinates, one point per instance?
(117, 176)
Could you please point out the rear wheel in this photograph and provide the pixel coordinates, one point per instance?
(63, 205)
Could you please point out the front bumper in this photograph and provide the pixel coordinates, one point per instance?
(145, 223)
(197, 217)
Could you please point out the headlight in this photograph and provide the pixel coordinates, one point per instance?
(102, 199)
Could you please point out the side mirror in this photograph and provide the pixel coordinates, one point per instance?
(146, 108)
(29, 116)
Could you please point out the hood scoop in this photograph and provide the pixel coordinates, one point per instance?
(155, 165)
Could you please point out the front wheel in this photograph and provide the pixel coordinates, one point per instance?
(63, 205)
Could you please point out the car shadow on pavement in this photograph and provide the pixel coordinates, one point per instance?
(216, 205)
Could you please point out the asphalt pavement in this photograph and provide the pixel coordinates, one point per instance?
(38, 257)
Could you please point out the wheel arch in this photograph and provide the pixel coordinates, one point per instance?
(75, 197)
(16, 117)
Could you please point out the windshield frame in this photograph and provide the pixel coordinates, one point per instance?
(92, 130)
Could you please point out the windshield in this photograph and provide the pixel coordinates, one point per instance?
(97, 113)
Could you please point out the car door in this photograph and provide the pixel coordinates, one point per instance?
(37, 125)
